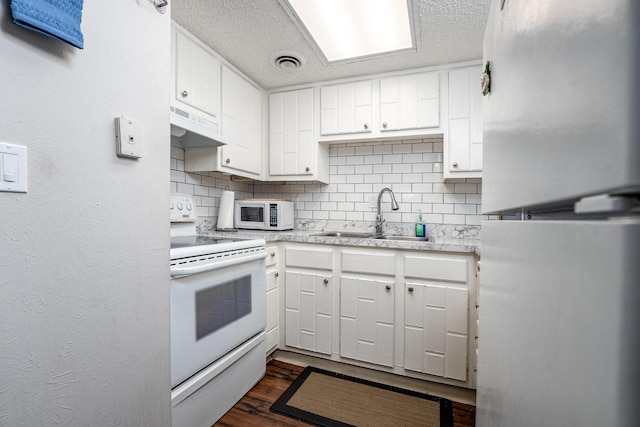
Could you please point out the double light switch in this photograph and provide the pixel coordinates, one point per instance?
(13, 168)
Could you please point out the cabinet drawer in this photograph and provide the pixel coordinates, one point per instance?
(435, 268)
(369, 263)
(319, 259)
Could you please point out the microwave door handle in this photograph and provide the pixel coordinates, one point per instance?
(180, 270)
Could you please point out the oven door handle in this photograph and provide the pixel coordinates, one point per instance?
(185, 271)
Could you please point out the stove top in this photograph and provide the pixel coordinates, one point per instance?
(198, 245)
(185, 242)
(191, 241)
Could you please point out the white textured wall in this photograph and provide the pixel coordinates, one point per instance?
(84, 297)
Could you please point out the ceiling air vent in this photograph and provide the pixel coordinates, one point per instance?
(287, 60)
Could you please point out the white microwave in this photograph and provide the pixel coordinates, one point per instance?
(263, 214)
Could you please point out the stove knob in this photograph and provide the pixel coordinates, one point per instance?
(171, 207)
(180, 206)
(189, 206)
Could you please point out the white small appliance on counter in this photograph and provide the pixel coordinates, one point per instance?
(264, 214)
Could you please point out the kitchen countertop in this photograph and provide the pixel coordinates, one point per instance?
(306, 236)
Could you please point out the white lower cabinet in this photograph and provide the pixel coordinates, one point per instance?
(435, 330)
(436, 315)
(367, 305)
(273, 299)
(395, 310)
(367, 320)
(308, 299)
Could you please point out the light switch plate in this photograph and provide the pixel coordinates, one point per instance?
(13, 168)
(128, 137)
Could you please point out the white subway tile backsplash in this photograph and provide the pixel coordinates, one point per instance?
(392, 158)
(383, 168)
(346, 151)
(465, 188)
(373, 160)
(355, 160)
(464, 209)
(364, 150)
(455, 198)
(383, 149)
(454, 219)
(401, 168)
(358, 171)
(355, 179)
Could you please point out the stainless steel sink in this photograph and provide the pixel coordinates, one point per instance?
(349, 234)
(403, 238)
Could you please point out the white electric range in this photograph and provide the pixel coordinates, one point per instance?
(218, 317)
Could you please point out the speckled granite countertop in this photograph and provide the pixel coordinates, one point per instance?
(306, 236)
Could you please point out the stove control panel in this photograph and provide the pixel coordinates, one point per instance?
(182, 208)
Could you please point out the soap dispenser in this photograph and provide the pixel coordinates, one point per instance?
(421, 229)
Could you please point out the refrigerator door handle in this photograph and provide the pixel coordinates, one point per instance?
(603, 203)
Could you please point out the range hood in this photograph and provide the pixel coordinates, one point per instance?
(194, 131)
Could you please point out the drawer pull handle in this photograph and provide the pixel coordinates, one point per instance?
(326, 281)
(410, 289)
(276, 274)
(387, 288)
(184, 94)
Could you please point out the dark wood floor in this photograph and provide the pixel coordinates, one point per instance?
(253, 409)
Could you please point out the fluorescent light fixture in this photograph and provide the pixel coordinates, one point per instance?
(347, 29)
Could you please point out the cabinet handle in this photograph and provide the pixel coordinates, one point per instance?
(387, 288)
(276, 274)
(184, 94)
(384, 125)
(273, 254)
(227, 161)
(307, 169)
(326, 281)
(410, 289)
(366, 125)
(455, 164)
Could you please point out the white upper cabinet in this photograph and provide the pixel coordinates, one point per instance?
(294, 150)
(196, 79)
(241, 123)
(410, 102)
(345, 108)
(463, 144)
(291, 133)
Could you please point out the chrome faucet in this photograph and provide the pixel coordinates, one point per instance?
(394, 206)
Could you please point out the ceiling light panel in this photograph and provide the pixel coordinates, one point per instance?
(346, 29)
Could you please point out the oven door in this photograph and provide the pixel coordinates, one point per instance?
(213, 312)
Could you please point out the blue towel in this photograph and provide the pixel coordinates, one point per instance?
(58, 19)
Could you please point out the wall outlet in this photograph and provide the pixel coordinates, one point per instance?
(128, 138)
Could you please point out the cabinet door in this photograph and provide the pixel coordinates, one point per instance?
(308, 311)
(345, 108)
(436, 329)
(197, 76)
(273, 300)
(410, 102)
(241, 124)
(291, 136)
(465, 121)
(366, 320)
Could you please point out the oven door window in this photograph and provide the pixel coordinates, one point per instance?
(252, 214)
(221, 305)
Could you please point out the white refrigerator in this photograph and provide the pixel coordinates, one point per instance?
(559, 298)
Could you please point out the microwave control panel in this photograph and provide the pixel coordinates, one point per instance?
(273, 215)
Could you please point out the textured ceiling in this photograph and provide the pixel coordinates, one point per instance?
(247, 32)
